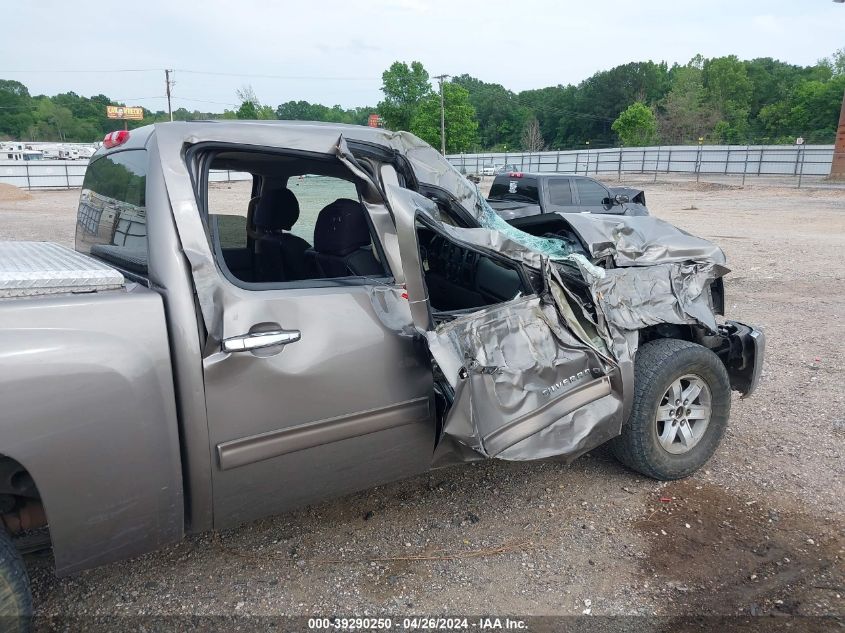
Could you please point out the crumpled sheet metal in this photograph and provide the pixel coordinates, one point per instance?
(635, 298)
(391, 306)
(502, 361)
(521, 380)
(641, 240)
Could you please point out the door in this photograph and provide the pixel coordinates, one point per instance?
(591, 196)
(524, 383)
(309, 395)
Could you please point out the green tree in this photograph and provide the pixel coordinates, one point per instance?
(728, 91)
(684, 115)
(304, 111)
(247, 111)
(636, 126)
(461, 124)
(251, 107)
(16, 108)
(834, 65)
(812, 112)
(405, 88)
(501, 118)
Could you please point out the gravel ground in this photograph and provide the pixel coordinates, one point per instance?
(759, 531)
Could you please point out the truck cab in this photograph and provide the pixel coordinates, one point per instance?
(517, 194)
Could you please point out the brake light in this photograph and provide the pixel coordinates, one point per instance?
(515, 174)
(113, 139)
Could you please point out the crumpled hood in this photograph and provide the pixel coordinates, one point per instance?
(641, 240)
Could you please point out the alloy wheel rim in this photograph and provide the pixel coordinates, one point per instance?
(683, 414)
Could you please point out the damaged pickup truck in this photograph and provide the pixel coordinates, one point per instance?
(208, 365)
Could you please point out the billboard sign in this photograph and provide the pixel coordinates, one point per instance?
(123, 112)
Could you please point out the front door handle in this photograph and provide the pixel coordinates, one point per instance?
(260, 340)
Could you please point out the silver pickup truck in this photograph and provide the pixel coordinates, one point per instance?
(358, 316)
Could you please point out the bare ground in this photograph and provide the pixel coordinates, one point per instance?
(760, 531)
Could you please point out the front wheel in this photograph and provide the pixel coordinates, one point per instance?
(15, 597)
(682, 401)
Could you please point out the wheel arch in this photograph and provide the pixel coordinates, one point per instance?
(21, 507)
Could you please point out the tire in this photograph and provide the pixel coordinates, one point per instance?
(663, 369)
(15, 596)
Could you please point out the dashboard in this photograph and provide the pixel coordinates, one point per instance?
(459, 278)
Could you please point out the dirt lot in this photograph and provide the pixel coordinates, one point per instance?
(760, 531)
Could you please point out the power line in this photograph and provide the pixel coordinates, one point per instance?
(114, 70)
(286, 77)
(206, 101)
(196, 72)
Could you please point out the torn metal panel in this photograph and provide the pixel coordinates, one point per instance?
(634, 298)
(390, 304)
(517, 371)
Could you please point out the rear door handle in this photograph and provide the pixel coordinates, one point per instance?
(260, 340)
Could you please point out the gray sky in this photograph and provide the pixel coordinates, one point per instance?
(334, 51)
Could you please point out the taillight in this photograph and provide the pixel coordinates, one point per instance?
(113, 139)
(515, 174)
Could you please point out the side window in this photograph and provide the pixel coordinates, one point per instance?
(302, 226)
(111, 221)
(560, 193)
(314, 193)
(228, 205)
(590, 192)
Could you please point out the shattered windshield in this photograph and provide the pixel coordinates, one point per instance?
(552, 248)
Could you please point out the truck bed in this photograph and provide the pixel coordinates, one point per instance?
(40, 268)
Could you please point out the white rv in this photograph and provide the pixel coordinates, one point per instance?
(19, 151)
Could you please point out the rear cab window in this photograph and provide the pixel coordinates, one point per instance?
(514, 187)
(560, 193)
(111, 222)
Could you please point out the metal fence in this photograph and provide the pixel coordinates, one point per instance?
(43, 174)
(69, 174)
(735, 161)
(741, 161)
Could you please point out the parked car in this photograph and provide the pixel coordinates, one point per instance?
(194, 366)
(489, 169)
(506, 169)
(517, 194)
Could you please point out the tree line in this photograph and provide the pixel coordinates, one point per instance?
(714, 100)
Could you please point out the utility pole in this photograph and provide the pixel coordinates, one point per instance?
(168, 86)
(837, 166)
(440, 78)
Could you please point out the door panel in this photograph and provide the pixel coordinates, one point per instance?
(345, 407)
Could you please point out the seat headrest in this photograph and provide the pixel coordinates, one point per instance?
(278, 209)
(341, 228)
